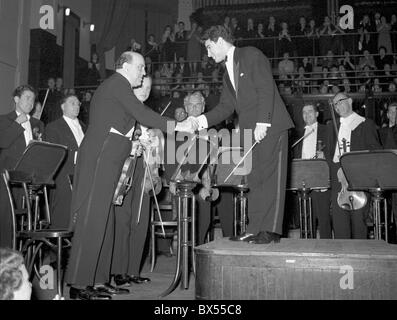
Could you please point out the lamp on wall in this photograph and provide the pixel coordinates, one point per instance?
(67, 10)
(92, 26)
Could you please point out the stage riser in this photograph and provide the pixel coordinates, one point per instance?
(277, 276)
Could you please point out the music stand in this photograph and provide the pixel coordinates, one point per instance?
(39, 164)
(306, 176)
(237, 181)
(374, 172)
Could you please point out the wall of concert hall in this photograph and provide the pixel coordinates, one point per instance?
(14, 48)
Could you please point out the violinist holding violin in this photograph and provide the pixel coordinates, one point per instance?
(130, 236)
(354, 133)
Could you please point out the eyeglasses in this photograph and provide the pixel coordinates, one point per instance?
(339, 101)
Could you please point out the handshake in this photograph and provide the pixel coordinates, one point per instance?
(190, 125)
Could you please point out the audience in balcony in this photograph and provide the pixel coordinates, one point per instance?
(286, 66)
(393, 29)
(285, 43)
(382, 59)
(365, 30)
(366, 60)
(194, 47)
(237, 31)
(302, 42)
(152, 49)
(313, 36)
(326, 33)
(167, 41)
(384, 39)
(93, 75)
(180, 41)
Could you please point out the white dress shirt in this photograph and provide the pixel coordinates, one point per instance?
(75, 126)
(309, 146)
(202, 120)
(347, 125)
(28, 129)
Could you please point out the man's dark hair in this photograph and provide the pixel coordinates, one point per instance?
(315, 107)
(67, 96)
(215, 32)
(18, 92)
(125, 57)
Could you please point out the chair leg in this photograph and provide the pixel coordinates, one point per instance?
(153, 247)
(59, 265)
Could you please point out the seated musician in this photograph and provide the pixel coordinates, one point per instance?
(194, 105)
(388, 138)
(355, 133)
(311, 147)
(67, 131)
(17, 130)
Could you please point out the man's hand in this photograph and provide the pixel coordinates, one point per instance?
(22, 118)
(260, 132)
(189, 125)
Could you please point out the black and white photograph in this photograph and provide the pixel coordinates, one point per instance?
(200, 155)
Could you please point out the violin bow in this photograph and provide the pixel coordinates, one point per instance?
(242, 160)
(45, 101)
(147, 172)
(165, 109)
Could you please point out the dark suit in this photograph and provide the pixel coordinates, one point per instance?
(257, 100)
(12, 146)
(320, 200)
(99, 164)
(349, 225)
(388, 137)
(59, 132)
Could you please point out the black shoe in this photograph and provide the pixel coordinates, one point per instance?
(88, 293)
(121, 280)
(109, 289)
(265, 237)
(242, 237)
(138, 280)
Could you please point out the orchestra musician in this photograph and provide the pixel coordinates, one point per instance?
(17, 130)
(312, 147)
(250, 90)
(130, 236)
(106, 145)
(67, 131)
(355, 133)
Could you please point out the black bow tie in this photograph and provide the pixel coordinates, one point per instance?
(225, 59)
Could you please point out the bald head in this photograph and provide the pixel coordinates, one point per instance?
(132, 66)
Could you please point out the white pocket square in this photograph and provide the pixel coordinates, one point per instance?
(241, 74)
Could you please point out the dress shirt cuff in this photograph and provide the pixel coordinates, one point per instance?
(263, 124)
(203, 122)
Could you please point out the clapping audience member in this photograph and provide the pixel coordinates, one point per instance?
(168, 45)
(384, 39)
(382, 59)
(284, 40)
(366, 60)
(180, 41)
(194, 47)
(326, 36)
(302, 43)
(286, 66)
(14, 278)
(152, 48)
(365, 29)
(93, 75)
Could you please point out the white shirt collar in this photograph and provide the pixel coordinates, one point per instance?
(313, 126)
(19, 113)
(230, 54)
(75, 121)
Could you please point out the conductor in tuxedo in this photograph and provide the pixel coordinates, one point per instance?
(250, 90)
(106, 145)
(67, 131)
(312, 147)
(17, 130)
(355, 133)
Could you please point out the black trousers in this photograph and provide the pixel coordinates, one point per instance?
(267, 183)
(93, 221)
(130, 235)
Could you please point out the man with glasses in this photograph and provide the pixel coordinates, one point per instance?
(67, 131)
(355, 133)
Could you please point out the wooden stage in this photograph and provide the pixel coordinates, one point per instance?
(297, 269)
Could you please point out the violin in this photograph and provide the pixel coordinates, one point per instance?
(124, 184)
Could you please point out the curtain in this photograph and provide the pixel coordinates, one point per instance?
(109, 17)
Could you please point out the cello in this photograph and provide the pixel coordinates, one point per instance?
(347, 200)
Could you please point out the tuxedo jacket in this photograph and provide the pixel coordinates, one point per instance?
(12, 139)
(256, 99)
(364, 137)
(59, 132)
(321, 135)
(391, 141)
(113, 105)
